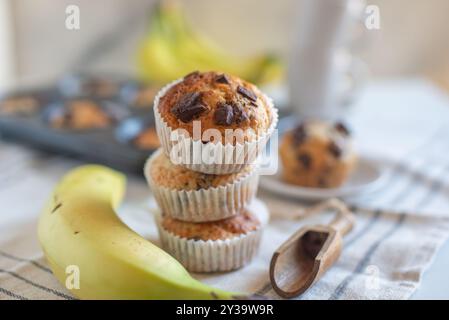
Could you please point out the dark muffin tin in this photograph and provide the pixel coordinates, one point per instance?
(115, 112)
(103, 86)
(40, 97)
(112, 145)
(129, 94)
(129, 129)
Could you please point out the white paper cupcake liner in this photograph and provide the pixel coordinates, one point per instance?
(192, 153)
(203, 205)
(215, 255)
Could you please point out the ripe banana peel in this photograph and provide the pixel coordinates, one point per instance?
(172, 49)
(79, 227)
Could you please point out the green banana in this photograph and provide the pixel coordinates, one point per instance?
(79, 227)
(172, 49)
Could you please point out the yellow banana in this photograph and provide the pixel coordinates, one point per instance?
(79, 229)
(172, 49)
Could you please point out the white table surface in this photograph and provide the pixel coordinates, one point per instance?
(435, 282)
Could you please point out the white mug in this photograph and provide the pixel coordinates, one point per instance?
(315, 75)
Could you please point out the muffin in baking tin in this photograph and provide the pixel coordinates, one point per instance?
(21, 104)
(83, 114)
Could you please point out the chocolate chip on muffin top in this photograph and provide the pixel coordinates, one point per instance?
(247, 93)
(299, 135)
(342, 128)
(334, 149)
(305, 159)
(189, 107)
(223, 78)
(224, 114)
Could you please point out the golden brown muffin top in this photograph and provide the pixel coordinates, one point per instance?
(219, 101)
(242, 223)
(168, 175)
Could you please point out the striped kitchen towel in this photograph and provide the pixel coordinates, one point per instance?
(384, 257)
(398, 231)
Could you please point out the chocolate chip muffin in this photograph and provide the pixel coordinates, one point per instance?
(226, 121)
(317, 154)
(194, 196)
(214, 246)
(166, 174)
(219, 101)
(240, 224)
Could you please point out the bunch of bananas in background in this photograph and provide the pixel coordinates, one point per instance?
(172, 49)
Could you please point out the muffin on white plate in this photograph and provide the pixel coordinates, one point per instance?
(193, 196)
(317, 154)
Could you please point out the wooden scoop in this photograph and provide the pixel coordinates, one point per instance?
(301, 261)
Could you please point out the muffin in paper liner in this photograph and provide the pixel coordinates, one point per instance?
(215, 255)
(226, 159)
(214, 203)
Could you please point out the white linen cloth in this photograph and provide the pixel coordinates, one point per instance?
(398, 230)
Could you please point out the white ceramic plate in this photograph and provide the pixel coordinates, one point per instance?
(367, 177)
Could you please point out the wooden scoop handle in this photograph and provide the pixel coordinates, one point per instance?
(344, 220)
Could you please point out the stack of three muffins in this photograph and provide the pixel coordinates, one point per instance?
(209, 221)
